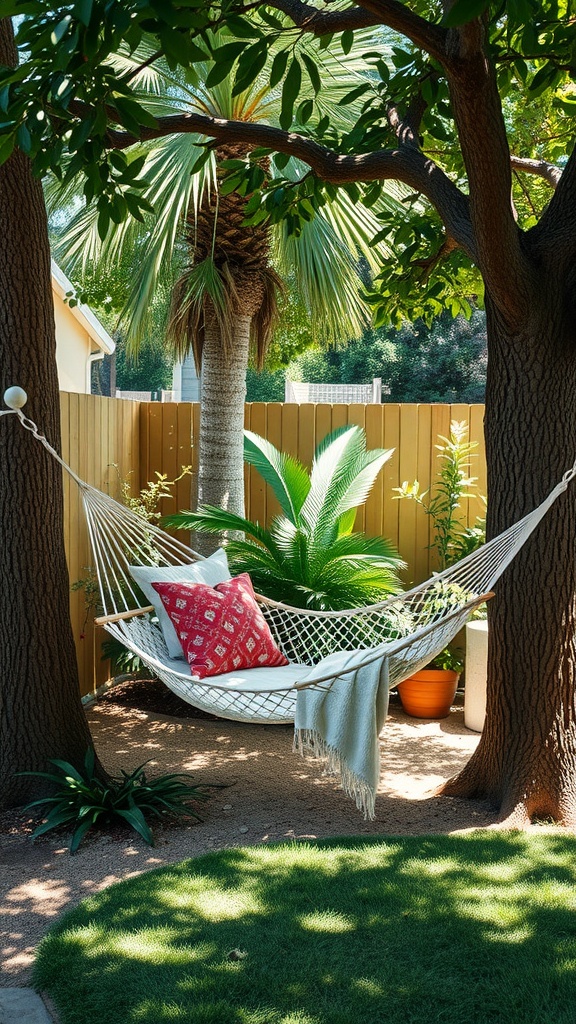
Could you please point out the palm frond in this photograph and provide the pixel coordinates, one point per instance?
(285, 475)
(335, 459)
(201, 292)
(356, 491)
(369, 556)
(266, 316)
(294, 544)
(247, 556)
(359, 547)
(326, 276)
(211, 519)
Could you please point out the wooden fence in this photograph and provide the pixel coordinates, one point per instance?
(144, 438)
(101, 443)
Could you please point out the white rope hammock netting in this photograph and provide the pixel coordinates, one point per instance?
(409, 630)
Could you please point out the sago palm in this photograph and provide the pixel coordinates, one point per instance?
(310, 556)
(226, 273)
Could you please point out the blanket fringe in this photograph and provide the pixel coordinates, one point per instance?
(309, 743)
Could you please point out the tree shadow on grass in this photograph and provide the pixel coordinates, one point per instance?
(470, 929)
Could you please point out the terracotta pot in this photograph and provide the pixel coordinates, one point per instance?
(429, 693)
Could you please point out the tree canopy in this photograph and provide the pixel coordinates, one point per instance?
(67, 99)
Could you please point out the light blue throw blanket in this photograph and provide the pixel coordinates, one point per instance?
(341, 722)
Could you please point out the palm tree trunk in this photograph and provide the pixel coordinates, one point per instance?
(221, 447)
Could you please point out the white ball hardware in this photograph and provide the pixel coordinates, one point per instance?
(15, 397)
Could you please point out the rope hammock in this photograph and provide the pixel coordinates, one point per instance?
(407, 630)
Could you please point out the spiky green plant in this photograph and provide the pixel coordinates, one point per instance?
(310, 557)
(82, 800)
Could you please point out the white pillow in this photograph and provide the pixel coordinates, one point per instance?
(210, 570)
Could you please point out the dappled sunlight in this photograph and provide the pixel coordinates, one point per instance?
(156, 943)
(331, 932)
(367, 986)
(47, 896)
(326, 921)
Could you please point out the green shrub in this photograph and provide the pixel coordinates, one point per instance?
(81, 800)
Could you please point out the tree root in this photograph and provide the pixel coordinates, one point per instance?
(514, 811)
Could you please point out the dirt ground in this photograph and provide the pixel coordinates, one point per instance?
(270, 794)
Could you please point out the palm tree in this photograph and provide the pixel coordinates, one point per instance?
(226, 274)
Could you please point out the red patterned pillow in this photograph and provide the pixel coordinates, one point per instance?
(221, 628)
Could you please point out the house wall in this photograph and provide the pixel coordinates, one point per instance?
(73, 346)
(185, 381)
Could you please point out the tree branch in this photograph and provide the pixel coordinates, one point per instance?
(405, 163)
(556, 230)
(507, 271)
(447, 198)
(428, 263)
(541, 168)
(395, 15)
(319, 23)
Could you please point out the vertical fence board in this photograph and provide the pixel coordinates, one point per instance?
(306, 434)
(423, 473)
(357, 418)
(170, 463)
(323, 421)
(256, 491)
(339, 416)
(184, 499)
(374, 426)
(290, 432)
(274, 435)
(391, 475)
(408, 471)
(477, 504)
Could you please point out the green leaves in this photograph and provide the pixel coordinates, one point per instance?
(279, 65)
(309, 557)
(290, 91)
(463, 11)
(286, 476)
(250, 65)
(86, 798)
(60, 29)
(443, 505)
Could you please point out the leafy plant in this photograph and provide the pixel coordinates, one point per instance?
(450, 659)
(452, 538)
(82, 800)
(310, 557)
(145, 503)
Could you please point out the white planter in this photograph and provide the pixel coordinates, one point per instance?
(476, 671)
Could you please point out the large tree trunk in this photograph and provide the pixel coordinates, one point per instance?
(526, 759)
(221, 448)
(41, 714)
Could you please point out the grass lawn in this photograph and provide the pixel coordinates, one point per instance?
(470, 929)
